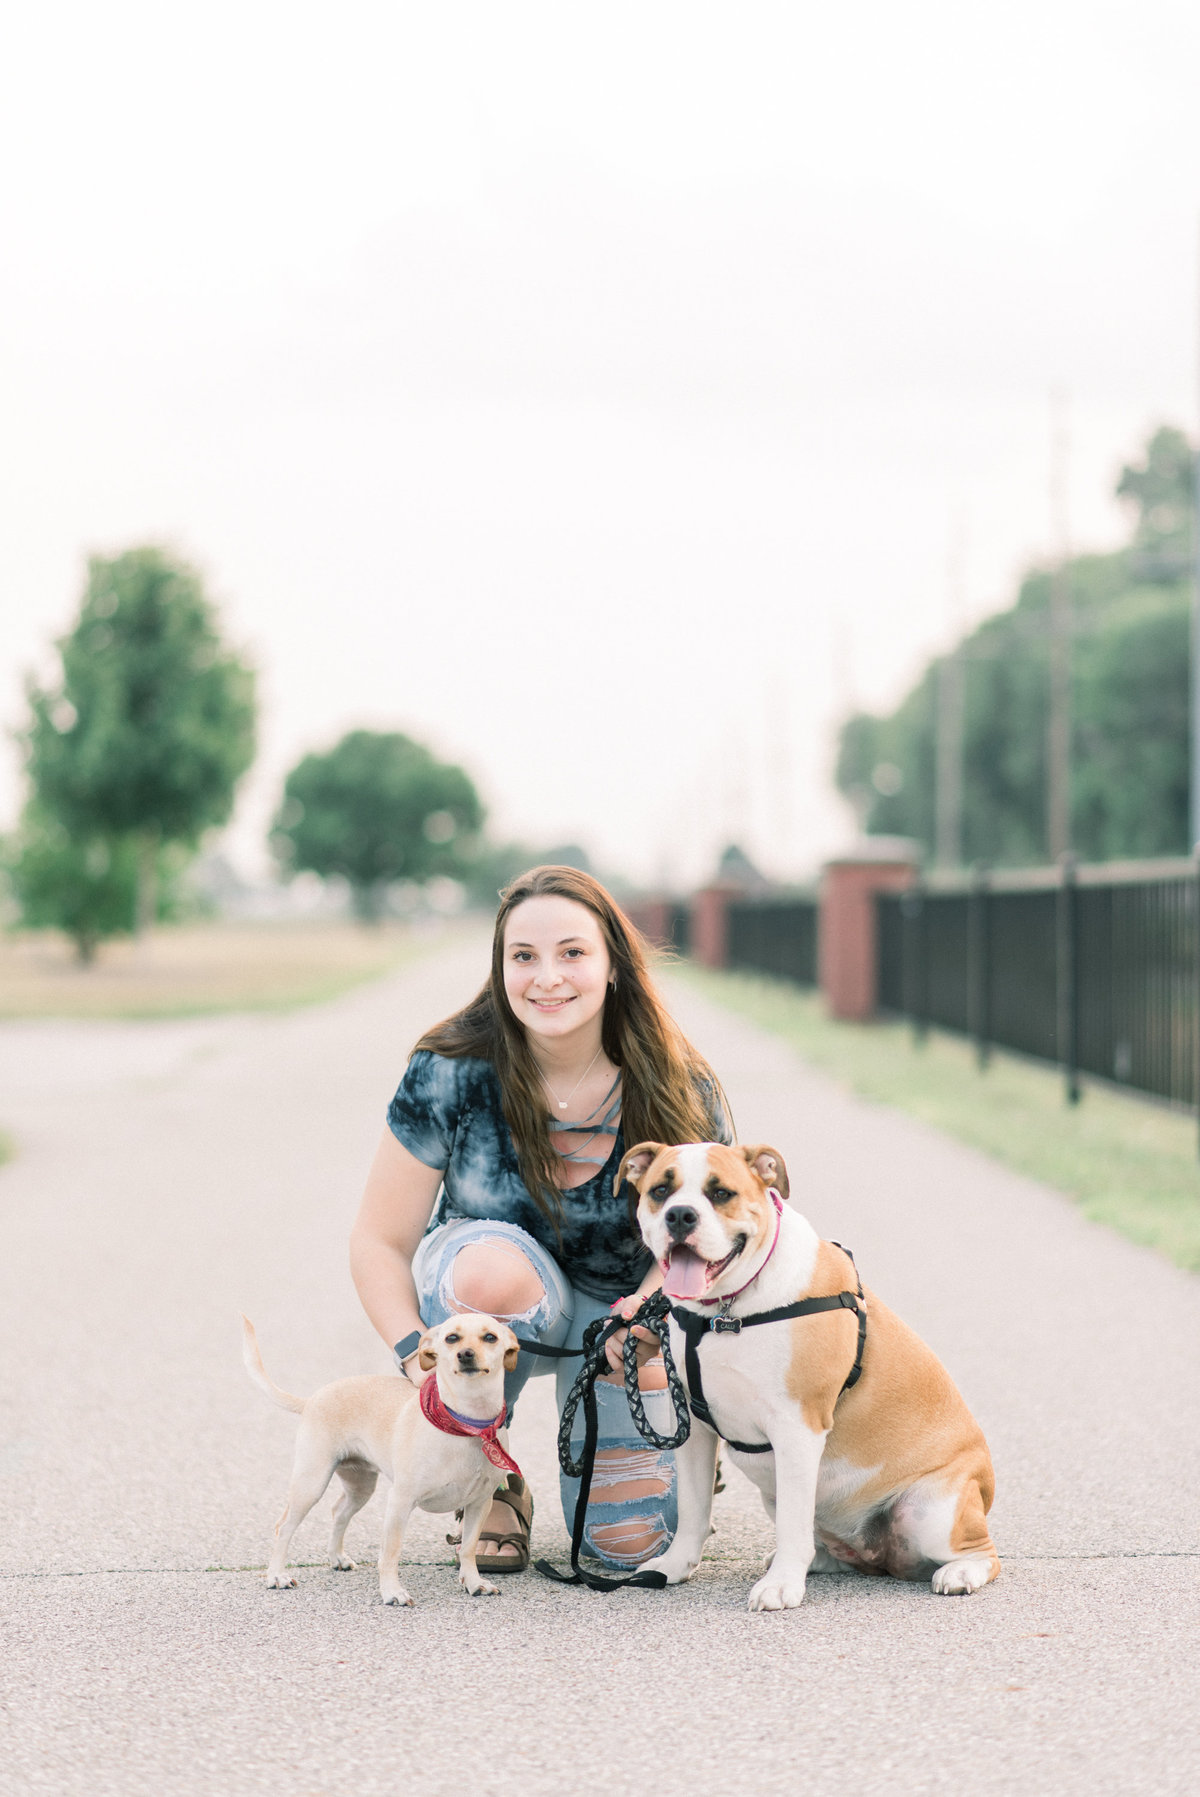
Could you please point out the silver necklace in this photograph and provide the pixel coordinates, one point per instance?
(562, 1103)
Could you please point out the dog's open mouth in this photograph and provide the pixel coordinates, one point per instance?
(687, 1274)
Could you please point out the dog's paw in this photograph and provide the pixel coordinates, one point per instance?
(280, 1581)
(343, 1563)
(479, 1588)
(399, 1597)
(958, 1578)
(674, 1568)
(774, 1593)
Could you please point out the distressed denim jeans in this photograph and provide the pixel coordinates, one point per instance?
(632, 1513)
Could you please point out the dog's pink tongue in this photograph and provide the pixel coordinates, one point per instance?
(685, 1275)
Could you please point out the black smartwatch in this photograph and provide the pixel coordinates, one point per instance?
(408, 1346)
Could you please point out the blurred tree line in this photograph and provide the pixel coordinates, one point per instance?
(1129, 700)
(135, 748)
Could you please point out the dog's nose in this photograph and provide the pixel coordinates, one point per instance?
(680, 1220)
(466, 1355)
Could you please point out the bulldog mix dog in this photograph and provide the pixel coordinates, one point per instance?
(887, 1472)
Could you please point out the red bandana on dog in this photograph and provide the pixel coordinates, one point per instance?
(450, 1423)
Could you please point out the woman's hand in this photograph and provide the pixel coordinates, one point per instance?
(647, 1341)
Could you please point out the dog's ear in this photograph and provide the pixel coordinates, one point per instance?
(767, 1162)
(511, 1352)
(637, 1160)
(427, 1352)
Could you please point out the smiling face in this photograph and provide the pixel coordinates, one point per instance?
(706, 1212)
(556, 967)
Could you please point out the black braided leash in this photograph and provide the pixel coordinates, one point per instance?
(653, 1315)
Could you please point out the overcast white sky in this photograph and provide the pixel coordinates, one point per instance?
(586, 391)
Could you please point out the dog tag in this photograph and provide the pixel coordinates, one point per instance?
(726, 1325)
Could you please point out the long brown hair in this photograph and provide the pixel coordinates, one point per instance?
(668, 1091)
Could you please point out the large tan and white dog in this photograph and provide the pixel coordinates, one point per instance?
(894, 1475)
(374, 1424)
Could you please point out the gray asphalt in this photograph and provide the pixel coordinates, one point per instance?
(173, 1174)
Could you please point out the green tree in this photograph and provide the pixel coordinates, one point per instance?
(1129, 701)
(1162, 491)
(151, 725)
(377, 807)
(1131, 775)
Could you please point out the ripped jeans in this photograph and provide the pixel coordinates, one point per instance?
(632, 1513)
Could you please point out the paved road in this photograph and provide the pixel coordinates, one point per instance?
(172, 1174)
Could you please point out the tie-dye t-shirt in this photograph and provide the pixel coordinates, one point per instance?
(448, 1112)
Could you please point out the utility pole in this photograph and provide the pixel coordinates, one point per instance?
(1058, 734)
(951, 708)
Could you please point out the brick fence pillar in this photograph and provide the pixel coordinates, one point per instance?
(847, 949)
(708, 926)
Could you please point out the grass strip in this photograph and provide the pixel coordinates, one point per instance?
(201, 970)
(1127, 1162)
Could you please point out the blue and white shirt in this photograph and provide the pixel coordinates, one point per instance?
(449, 1113)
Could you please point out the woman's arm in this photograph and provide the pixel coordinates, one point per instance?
(396, 1206)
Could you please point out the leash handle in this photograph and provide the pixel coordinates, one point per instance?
(655, 1316)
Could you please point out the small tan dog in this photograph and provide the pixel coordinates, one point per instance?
(378, 1423)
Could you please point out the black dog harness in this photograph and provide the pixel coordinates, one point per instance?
(695, 1327)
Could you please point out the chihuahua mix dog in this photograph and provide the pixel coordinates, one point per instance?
(443, 1448)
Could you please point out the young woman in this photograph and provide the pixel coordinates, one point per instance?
(517, 1110)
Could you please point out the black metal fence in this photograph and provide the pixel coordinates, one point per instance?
(775, 935)
(1096, 968)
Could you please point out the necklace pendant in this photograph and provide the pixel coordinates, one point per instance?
(562, 1104)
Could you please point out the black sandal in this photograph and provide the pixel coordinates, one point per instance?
(517, 1495)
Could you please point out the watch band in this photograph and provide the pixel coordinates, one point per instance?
(409, 1345)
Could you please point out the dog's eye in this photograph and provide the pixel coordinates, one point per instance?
(489, 1337)
(721, 1196)
(454, 1338)
(662, 1191)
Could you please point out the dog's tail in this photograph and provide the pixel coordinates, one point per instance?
(259, 1373)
